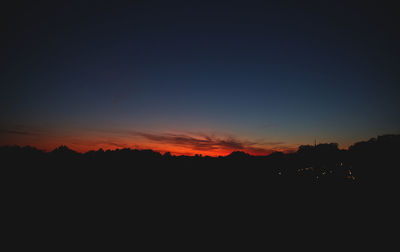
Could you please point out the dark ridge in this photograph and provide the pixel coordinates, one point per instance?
(147, 186)
(365, 161)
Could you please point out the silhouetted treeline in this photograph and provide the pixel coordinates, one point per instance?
(71, 188)
(374, 159)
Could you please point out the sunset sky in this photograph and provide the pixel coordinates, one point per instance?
(196, 76)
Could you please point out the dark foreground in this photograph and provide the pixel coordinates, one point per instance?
(65, 196)
(365, 162)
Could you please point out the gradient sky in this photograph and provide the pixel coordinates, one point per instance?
(197, 76)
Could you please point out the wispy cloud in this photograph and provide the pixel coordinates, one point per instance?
(204, 142)
(95, 143)
(18, 132)
(111, 143)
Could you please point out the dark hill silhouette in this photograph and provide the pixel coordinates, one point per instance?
(238, 155)
(144, 185)
(324, 163)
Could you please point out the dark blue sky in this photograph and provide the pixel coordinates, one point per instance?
(271, 75)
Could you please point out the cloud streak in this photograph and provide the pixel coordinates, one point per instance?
(205, 143)
(18, 132)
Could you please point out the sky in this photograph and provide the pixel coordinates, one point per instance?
(207, 77)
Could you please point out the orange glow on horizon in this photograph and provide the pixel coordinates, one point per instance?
(83, 147)
(174, 150)
(176, 144)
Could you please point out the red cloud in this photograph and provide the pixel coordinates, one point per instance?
(206, 143)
